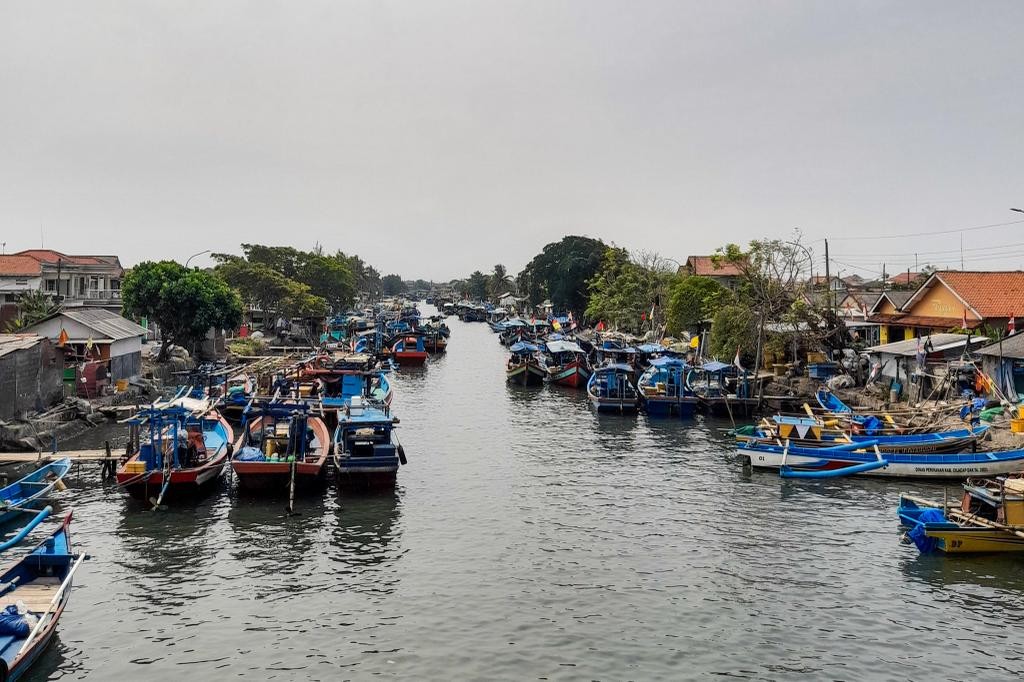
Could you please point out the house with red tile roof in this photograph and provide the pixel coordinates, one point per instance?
(75, 281)
(952, 299)
(725, 273)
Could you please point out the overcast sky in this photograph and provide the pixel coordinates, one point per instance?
(435, 137)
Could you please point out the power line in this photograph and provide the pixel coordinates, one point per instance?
(935, 232)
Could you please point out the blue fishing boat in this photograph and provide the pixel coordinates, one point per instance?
(611, 389)
(184, 453)
(24, 493)
(663, 390)
(811, 432)
(366, 454)
(40, 583)
(871, 459)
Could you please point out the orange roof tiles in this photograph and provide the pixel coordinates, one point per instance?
(51, 256)
(19, 266)
(991, 294)
(705, 266)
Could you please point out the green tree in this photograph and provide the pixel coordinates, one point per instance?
(694, 300)
(392, 285)
(186, 304)
(561, 272)
(500, 282)
(33, 306)
(627, 288)
(734, 327)
(477, 285)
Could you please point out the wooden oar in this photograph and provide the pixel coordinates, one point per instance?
(53, 602)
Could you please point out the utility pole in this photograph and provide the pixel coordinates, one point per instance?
(961, 251)
(883, 276)
(828, 279)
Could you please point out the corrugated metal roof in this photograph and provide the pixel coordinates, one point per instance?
(1011, 347)
(106, 324)
(10, 343)
(939, 342)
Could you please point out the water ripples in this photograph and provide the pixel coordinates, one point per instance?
(530, 539)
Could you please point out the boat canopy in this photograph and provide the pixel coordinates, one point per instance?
(523, 347)
(614, 367)
(514, 322)
(560, 346)
(650, 348)
(714, 366)
(667, 362)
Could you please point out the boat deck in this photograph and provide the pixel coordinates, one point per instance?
(37, 595)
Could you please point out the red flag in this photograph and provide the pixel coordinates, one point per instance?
(643, 316)
(1011, 326)
(964, 326)
(600, 326)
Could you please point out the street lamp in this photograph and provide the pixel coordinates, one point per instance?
(194, 255)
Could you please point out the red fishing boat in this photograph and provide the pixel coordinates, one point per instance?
(183, 455)
(409, 350)
(281, 448)
(567, 364)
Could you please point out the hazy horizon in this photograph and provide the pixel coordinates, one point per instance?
(434, 139)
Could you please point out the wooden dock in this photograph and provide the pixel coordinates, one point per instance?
(75, 455)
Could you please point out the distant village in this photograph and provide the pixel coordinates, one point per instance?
(65, 333)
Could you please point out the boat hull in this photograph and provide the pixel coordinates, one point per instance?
(900, 465)
(573, 375)
(526, 375)
(664, 406)
(613, 405)
(275, 477)
(410, 358)
(366, 473)
(185, 483)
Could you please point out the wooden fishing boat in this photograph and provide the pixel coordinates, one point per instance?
(610, 388)
(810, 432)
(25, 493)
(409, 351)
(663, 390)
(341, 376)
(989, 518)
(366, 454)
(183, 455)
(868, 458)
(523, 366)
(282, 448)
(567, 364)
(42, 581)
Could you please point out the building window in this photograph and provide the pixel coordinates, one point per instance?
(51, 285)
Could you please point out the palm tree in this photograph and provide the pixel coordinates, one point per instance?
(32, 307)
(500, 281)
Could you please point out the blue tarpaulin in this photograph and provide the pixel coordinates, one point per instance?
(924, 543)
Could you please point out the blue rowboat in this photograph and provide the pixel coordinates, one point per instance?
(955, 465)
(19, 496)
(42, 581)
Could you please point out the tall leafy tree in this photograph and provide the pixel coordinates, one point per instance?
(626, 289)
(500, 282)
(477, 285)
(561, 272)
(694, 300)
(392, 285)
(186, 304)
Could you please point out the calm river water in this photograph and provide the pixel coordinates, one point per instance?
(529, 539)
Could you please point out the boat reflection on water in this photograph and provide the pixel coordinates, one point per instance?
(970, 582)
(366, 540)
(271, 542)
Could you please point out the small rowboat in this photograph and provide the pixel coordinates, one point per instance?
(183, 456)
(279, 442)
(20, 495)
(42, 581)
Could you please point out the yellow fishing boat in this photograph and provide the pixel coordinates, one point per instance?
(989, 518)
